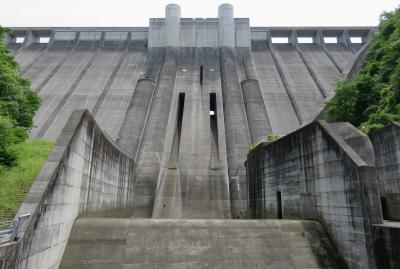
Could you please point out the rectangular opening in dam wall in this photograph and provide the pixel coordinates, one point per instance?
(330, 40)
(305, 40)
(44, 40)
(181, 106)
(214, 132)
(356, 40)
(19, 40)
(201, 75)
(213, 104)
(385, 209)
(280, 40)
(173, 161)
(279, 214)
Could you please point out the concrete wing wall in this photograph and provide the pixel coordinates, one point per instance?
(85, 174)
(313, 173)
(386, 143)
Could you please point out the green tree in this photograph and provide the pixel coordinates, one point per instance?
(372, 99)
(18, 104)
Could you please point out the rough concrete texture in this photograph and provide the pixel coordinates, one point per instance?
(314, 173)
(138, 243)
(184, 98)
(85, 174)
(386, 142)
(193, 180)
(151, 148)
(387, 245)
(236, 130)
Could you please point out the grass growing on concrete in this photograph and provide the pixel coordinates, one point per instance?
(16, 181)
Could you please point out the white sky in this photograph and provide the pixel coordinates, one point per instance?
(137, 13)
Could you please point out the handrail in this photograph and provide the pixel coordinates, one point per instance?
(13, 227)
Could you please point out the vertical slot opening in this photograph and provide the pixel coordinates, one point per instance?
(201, 75)
(181, 106)
(173, 162)
(213, 104)
(214, 132)
(278, 205)
(385, 210)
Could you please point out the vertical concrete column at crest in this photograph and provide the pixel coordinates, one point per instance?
(29, 39)
(7, 38)
(172, 25)
(226, 26)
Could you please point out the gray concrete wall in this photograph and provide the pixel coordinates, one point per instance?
(86, 174)
(386, 143)
(224, 244)
(152, 144)
(192, 182)
(319, 176)
(387, 245)
(236, 130)
(65, 71)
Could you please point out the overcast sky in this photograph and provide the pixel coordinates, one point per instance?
(137, 13)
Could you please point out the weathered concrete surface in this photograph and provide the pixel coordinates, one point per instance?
(301, 85)
(256, 112)
(85, 174)
(236, 130)
(190, 163)
(151, 148)
(314, 173)
(387, 245)
(281, 114)
(233, 244)
(193, 180)
(386, 142)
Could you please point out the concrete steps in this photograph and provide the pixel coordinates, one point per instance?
(167, 243)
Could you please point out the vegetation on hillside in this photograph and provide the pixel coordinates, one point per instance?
(372, 99)
(20, 159)
(18, 104)
(16, 181)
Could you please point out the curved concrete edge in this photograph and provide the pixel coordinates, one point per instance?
(86, 174)
(348, 74)
(319, 176)
(357, 140)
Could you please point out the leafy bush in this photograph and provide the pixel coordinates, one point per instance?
(372, 99)
(18, 104)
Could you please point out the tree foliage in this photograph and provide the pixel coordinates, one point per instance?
(372, 99)
(18, 104)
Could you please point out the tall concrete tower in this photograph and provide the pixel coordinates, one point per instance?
(172, 25)
(226, 26)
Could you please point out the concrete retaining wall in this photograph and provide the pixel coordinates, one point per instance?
(318, 176)
(85, 173)
(386, 143)
(387, 245)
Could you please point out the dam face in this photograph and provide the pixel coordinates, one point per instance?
(185, 97)
(152, 166)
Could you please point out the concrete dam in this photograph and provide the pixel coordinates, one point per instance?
(154, 126)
